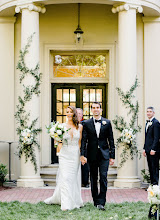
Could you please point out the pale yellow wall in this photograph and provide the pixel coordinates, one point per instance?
(60, 21)
(100, 27)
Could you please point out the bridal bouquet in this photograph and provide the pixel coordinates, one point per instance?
(56, 131)
(154, 197)
(127, 136)
(26, 136)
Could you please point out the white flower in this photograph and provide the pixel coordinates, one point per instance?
(59, 132)
(149, 123)
(27, 136)
(60, 126)
(51, 134)
(52, 130)
(127, 136)
(58, 59)
(104, 122)
(154, 194)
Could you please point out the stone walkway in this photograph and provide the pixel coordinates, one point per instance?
(34, 195)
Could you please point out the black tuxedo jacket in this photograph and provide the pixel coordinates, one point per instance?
(105, 140)
(152, 136)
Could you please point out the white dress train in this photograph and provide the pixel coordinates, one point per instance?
(68, 187)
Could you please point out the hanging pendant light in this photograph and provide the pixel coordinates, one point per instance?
(78, 31)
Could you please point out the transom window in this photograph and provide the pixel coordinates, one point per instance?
(80, 65)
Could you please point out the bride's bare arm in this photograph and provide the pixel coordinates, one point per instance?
(81, 129)
(59, 147)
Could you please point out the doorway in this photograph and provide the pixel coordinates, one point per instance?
(78, 95)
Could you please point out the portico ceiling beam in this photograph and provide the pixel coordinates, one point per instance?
(151, 7)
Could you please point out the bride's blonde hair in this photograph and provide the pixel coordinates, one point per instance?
(75, 116)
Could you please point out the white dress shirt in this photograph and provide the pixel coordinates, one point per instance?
(97, 126)
(150, 120)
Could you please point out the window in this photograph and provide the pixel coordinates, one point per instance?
(80, 65)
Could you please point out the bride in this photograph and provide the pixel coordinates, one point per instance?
(68, 189)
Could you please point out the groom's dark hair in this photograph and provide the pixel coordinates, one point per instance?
(98, 103)
(152, 108)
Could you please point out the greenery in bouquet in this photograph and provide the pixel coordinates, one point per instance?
(128, 128)
(56, 131)
(154, 197)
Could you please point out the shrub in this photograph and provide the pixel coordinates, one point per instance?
(145, 175)
(3, 173)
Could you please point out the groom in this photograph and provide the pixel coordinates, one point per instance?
(97, 133)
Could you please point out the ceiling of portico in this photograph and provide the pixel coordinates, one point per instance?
(150, 7)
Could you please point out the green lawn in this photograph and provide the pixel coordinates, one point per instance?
(19, 211)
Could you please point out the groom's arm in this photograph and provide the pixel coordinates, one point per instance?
(111, 142)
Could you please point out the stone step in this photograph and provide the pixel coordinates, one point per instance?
(43, 173)
(55, 166)
(49, 173)
(49, 167)
(50, 182)
(110, 182)
(112, 172)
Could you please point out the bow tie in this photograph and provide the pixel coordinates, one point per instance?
(97, 121)
(148, 121)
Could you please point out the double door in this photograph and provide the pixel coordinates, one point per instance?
(78, 95)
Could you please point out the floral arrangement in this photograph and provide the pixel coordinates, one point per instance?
(27, 136)
(27, 129)
(154, 197)
(127, 136)
(130, 127)
(56, 131)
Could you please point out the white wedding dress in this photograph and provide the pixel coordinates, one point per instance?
(68, 187)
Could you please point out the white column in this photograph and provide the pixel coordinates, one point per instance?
(127, 71)
(7, 89)
(30, 25)
(7, 78)
(152, 63)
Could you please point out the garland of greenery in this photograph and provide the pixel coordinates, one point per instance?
(27, 132)
(128, 129)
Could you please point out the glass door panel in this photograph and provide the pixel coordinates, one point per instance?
(91, 95)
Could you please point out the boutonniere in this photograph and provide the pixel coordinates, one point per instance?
(104, 122)
(149, 123)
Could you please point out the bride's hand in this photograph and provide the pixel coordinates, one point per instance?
(83, 160)
(59, 147)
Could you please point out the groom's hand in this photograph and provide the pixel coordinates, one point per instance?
(111, 161)
(144, 153)
(83, 160)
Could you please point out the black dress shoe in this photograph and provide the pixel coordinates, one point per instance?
(101, 207)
